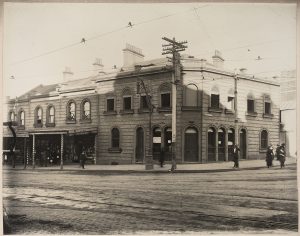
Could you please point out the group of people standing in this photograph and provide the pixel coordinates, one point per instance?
(279, 154)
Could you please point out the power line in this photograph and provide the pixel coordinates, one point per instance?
(84, 40)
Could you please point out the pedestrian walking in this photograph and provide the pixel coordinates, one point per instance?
(162, 157)
(236, 156)
(282, 155)
(82, 158)
(269, 156)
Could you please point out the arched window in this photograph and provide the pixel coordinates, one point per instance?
(22, 118)
(71, 111)
(115, 138)
(12, 116)
(264, 139)
(38, 117)
(191, 95)
(50, 116)
(215, 98)
(86, 110)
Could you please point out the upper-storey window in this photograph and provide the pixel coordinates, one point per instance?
(215, 98)
(50, 116)
(12, 116)
(250, 103)
(38, 117)
(230, 100)
(144, 103)
(110, 104)
(165, 95)
(71, 111)
(127, 99)
(86, 110)
(191, 95)
(22, 118)
(267, 105)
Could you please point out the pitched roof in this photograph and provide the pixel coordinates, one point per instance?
(39, 90)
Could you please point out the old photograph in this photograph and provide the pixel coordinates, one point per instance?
(140, 118)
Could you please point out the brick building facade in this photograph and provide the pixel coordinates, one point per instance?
(216, 108)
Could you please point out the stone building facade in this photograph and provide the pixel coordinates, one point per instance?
(216, 109)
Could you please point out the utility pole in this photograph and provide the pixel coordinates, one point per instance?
(141, 84)
(174, 48)
(236, 138)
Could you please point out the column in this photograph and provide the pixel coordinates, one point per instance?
(217, 145)
(33, 151)
(61, 151)
(95, 148)
(226, 145)
(25, 152)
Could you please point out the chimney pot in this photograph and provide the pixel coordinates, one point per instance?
(132, 55)
(218, 60)
(67, 74)
(98, 66)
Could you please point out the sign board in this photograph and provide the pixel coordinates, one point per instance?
(156, 139)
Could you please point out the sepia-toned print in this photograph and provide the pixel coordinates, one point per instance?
(149, 118)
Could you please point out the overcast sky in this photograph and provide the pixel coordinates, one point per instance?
(41, 39)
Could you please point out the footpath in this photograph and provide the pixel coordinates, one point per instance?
(140, 168)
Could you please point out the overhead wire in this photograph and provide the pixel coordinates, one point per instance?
(101, 35)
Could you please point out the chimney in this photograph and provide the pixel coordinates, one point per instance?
(98, 66)
(243, 71)
(132, 55)
(67, 75)
(218, 60)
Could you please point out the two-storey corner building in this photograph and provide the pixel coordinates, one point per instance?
(108, 113)
(55, 120)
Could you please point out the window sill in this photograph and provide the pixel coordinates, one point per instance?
(38, 125)
(268, 115)
(70, 121)
(251, 114)
(107, 113)
(115, 150)
(229, 111)
(164, 109)
(50, 125)
(127, 111)
(85, 121)
(145, 110)
(190, 108)
(215, 110)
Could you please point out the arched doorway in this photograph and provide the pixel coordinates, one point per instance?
(243, 144)
(191, 145)
(156, 146)
(139, 145)
(221, 144)
(230, 144)
(211, 144)
(168, 144)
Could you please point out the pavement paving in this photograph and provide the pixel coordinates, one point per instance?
(181, 168)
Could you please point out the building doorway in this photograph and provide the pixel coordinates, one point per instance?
(156, 146)
(211, 145)
(191, 145)
(139, 145)
(230, 144)
(221, 144)
(168, 144)
(243, 144)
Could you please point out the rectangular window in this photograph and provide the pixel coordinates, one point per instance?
(144, 104)
(110, 104)
(268, 108)
(165, 100)
(250, 106)
(127, 103)
(230, 103)
(215, 99)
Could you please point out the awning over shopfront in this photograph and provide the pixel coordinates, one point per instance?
(20, 133)
(82, 131)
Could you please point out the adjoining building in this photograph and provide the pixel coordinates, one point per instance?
(288, 119)
(108, 113)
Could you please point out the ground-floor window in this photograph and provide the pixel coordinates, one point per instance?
(191, 145)
(211, 144)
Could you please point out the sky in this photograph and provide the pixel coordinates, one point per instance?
(41, 39)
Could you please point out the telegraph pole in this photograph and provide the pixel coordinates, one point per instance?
(174, 48)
